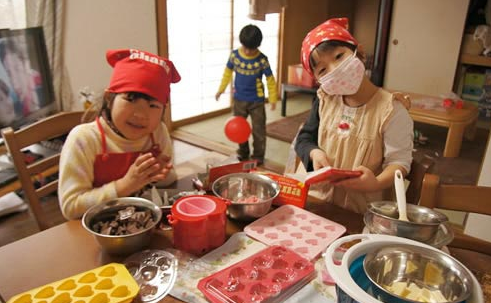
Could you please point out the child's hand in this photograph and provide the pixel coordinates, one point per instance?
(165, 164)
(273, 106)
(146, 169)
(319, 158)
(217, 96)
(367, 182)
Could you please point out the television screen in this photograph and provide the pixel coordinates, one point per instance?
(26, 89)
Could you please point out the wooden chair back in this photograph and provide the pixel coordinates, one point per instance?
(463, 198)
(16, 141)
(419, 168)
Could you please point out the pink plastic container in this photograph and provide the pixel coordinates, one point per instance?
(198, 223)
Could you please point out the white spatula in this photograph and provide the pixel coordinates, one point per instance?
(400, 195)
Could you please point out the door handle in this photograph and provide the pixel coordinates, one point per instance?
(395, 41)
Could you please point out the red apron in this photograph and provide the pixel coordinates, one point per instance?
(113, 166)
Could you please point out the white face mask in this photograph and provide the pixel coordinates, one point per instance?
(345, 79)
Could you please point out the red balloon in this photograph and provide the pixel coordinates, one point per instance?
(237, 129)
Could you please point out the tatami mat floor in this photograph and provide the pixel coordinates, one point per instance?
(276, 150)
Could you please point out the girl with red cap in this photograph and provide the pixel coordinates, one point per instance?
(127, 146)
(353, 124)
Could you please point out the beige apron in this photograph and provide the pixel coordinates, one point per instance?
(351, 137)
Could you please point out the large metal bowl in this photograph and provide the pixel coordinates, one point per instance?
(121, 244)
(383, 218)
(416, 268)
(237, 186)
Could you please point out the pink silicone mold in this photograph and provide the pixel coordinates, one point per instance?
(295, 228)
(272, 274)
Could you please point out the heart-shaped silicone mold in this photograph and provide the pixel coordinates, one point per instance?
(105, 284)
(84, 291)
(24, 299)
(296, 235)
(45, 293)
(62, 298)
(312, 241)
(306, 228)
(120, 292)
(282, 228)
(100, 298)
(88, 278)
(67, 285)
(108, 272)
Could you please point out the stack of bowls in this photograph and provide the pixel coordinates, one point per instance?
(424, 223)
(408, 273)
(374, 270)
(238, 187)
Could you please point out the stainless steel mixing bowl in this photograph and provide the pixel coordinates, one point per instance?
(234, 187)
(431, 271)
(121, 244)
(383, 218)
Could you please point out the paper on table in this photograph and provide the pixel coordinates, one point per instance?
(325, 174)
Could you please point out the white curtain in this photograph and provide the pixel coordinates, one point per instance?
(49, 15)
(13, 14)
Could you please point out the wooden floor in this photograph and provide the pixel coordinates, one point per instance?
(16, 226)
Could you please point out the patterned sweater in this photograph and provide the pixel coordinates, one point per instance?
(248, 85)
(75, 188)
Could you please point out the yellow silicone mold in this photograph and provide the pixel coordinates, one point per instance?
(111, 283)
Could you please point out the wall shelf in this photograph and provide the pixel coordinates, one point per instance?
(475, 60)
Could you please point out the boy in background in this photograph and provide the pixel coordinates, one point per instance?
(249, 65)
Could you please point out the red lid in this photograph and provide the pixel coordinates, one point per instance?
(197, 207)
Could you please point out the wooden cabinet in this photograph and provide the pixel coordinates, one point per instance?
(424, 45)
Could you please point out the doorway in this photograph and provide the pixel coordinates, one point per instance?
(200, 54)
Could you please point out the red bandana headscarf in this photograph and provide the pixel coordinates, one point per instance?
(332, 29)
(142, 72)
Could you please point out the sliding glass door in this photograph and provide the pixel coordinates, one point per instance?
(201, 34)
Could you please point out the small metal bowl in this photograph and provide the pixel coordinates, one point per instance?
(416, 268)
(121, 244)
(234, 187)
(383, 218)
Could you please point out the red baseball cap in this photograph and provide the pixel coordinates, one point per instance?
(143, 72)
(332, 29)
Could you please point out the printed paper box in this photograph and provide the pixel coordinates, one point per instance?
(292, 191)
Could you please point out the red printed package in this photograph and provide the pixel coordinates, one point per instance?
(292, 191)
(205, 180)
(326, 174)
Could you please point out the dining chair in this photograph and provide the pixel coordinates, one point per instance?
(29, 171)
(463, 198)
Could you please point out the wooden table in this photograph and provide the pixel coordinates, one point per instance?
(68, 249)
(456, 120)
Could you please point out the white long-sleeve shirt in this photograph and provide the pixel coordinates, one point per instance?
(75, 188)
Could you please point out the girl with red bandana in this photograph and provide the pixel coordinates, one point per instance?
(353, 124)
(127, 146)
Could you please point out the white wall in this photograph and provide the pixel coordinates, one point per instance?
(94, 26)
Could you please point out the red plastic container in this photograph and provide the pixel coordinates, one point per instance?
(271, 275)
(198, 223)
